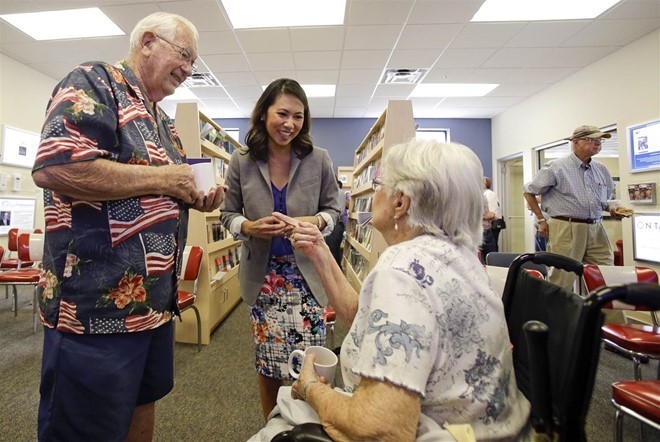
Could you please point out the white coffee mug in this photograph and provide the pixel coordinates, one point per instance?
(325, 363)
(203, 173)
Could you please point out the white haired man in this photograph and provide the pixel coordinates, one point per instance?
(117, 193)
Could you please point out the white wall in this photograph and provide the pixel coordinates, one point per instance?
(621, 89)
(24, 94)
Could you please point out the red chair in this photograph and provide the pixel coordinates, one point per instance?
(9, 263)
(192, 263)
(637, 399)
(639, 342)
(618, 253)
(30, 248)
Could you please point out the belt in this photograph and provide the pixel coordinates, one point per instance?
(577, 220)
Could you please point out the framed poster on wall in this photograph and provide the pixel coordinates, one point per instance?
(19, 147)
(644, 146)
(17, 212)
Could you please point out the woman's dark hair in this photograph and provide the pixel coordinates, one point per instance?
(256, 138)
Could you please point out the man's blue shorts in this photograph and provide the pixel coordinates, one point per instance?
(90, 384)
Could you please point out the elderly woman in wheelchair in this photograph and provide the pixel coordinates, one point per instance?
(428, 353)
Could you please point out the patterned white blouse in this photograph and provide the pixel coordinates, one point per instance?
(430, 322)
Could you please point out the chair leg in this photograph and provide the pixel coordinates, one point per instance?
(199, 328)
(15, 302)
(35, 310)
(638, 368)
(618, 426)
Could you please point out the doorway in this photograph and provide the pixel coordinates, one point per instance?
(512, 239)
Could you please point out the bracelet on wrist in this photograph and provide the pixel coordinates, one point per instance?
(304, 395)
(541, 220)
(319, 221)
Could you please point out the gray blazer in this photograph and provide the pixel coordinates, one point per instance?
(312, 189)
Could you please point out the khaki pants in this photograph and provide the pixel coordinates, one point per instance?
(587, 243)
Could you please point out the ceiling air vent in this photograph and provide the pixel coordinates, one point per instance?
(201, 79)
(403, 76)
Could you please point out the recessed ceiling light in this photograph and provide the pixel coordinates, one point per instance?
(528, 10)
(284, 13)
(316, 90)
(58, 25)
(452, 89)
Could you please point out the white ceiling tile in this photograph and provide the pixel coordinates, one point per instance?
(364, 59)
(439, 75)
(236, 78)
(524, 58)
(204, 14)
(517, 90)
(127, 16)
(264, 40)
(359, 76)
(329, 76)
(246, 92)
(349, 112)
(613, 32)
(322, 112)
(266, 77)
(326, 38)
(227, 63)
(394, 91)
(413, 59)
(430, 12)
(573, 57)
(486, 35)
(428, 36)
(271, 61)
(519, 58)
(546, 34)
(492, 75)
(368, 12)
(371, 37)
(217, 42)
(426, 102)
(354, 90)
(320, 102)
(207, 92)
(317, 60)
(464, 58)
(352, 102)
(548, 75)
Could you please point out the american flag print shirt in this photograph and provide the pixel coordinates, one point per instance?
(108, 266)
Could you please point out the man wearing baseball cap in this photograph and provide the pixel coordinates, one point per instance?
(574, 190)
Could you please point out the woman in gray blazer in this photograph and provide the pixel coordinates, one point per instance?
(280, 172)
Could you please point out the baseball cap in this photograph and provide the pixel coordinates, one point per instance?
(589, 132)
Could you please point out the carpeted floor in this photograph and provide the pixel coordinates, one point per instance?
(215, 397)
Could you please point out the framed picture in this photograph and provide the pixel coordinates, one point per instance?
(17, 212)
(642, 193)
(19, 147)
(644, 146)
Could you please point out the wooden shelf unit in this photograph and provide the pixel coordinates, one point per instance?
(215, 298)
(364, 245)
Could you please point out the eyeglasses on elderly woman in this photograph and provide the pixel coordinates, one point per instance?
(376, 183)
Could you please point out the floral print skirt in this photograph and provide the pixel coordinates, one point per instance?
(285, 317)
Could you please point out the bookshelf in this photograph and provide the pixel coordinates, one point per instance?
(218, 291)
(363, 243)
